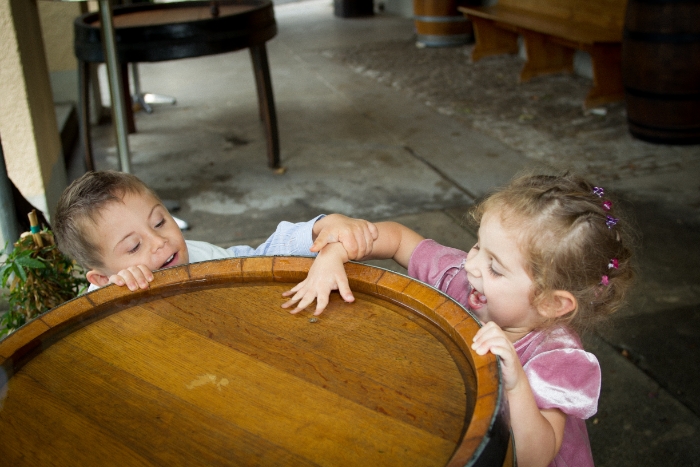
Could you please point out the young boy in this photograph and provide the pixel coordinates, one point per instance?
(114, 226)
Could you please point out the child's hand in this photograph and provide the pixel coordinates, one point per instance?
(325, 275)
(134, 277)
(491, 338)
(356, 235)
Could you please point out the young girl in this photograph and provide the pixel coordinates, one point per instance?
(550, 260)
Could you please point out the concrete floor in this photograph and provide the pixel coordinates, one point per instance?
(355, 146)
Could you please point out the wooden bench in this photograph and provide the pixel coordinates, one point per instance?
(552, 31)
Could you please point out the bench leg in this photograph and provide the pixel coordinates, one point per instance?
(261, 68)
(607, 75)
(492, 40)
(545, 57)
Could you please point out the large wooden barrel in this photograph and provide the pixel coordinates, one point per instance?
(205, 368)
(440, 24)
(353, 8)
(661, 70)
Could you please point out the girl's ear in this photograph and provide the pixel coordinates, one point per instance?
(559, 303)
(96, 278)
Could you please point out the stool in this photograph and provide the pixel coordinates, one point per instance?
(171, 31)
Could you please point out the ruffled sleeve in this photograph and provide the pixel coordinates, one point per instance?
(442, 267)
(565, 379)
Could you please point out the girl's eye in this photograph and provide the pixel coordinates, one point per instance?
(135, 249)
(160, 224)
(493, 272)
(475, 247)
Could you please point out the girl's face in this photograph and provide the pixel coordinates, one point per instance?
(501, 286)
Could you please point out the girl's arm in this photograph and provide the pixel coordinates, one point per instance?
(356, 235)
(538, 433)
(395, 241)
(327, 272)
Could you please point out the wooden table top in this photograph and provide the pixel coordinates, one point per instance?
(206, 368)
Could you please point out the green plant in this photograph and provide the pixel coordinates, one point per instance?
(35, 278)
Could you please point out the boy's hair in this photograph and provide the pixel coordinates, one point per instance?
(570, 240)
(80, 206)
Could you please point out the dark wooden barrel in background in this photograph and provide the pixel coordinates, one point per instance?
(661, 70)
(205, 368)
(353, 8)
(440, 24)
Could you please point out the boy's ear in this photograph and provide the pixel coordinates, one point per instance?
(559, 303)
(96, 278)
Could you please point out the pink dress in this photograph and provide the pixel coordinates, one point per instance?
(561, 374)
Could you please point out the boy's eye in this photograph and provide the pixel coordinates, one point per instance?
(135, 249)
(160, 224)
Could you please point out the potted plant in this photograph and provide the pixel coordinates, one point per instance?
(36, 277)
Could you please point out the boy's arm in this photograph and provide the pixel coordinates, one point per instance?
(287, 239)
(298, 239)
(327, 272)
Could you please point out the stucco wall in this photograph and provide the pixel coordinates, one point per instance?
(57, 30)
(28, 126)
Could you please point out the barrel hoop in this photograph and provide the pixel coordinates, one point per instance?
(434, 40)
(441, 19)
(663, 128)
(672, 38)
(695, 96)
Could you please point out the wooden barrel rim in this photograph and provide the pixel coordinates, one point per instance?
(481, 444)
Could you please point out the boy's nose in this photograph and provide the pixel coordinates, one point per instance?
(158, 242)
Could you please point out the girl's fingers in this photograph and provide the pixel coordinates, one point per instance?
(489, 329)
(323, 239)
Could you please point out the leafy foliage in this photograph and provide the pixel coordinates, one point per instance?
(35, 279)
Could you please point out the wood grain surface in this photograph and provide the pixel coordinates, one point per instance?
(206, 368)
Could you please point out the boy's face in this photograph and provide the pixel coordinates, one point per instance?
(138, 231)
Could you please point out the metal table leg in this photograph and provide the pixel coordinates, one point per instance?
(115, 85)
(116, 92)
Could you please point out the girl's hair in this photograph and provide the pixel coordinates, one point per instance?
(81, 204)
(570, 241)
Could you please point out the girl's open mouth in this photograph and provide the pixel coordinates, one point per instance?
(170, 262)
(476, 299)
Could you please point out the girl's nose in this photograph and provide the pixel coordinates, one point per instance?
(471, 266)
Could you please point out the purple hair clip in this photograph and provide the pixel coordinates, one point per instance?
(614, 264)
(607, 205)
(598, 191)
(610, 221)
(604, 280)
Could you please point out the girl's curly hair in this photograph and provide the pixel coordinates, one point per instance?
(568, 242)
